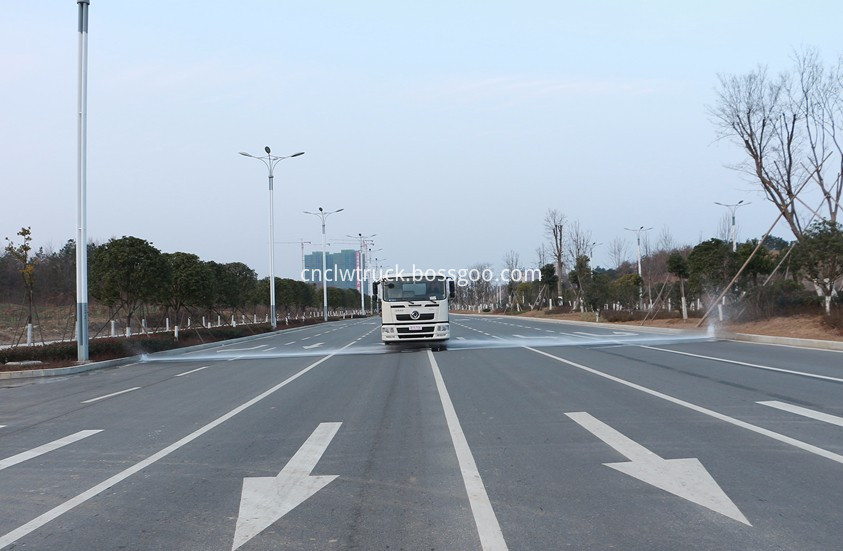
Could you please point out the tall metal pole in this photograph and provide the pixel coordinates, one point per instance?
(640, 276)
(82, 351)
(322, 216)
(361, 274)
(324, 279)
(272, 319)
(733, 208)
(270, 161)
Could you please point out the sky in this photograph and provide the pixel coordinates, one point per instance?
(447, 129)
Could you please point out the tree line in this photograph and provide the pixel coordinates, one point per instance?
(131, 277)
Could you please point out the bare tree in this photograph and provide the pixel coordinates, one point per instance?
(512, 262)
(541, 255)
(554, 227)
(791, 129)
(618, 251)
(580, 242)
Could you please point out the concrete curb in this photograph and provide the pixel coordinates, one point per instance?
(59, 371)
(782, 341)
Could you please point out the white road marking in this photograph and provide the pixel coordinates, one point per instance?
(805, 412)
(686, 478)
(241, 349)
(268, 349)
(193, 371)
(317, 345)
(491, 537)
(736, 362)
(68, 505)
(289, 343)
(41, 450)
(705, 411)
(264, 500)
(460, 338)
(110, 395)
(3, 426)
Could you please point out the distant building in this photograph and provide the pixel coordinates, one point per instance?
(341, 268)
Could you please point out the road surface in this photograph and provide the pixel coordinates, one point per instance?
(524, 434)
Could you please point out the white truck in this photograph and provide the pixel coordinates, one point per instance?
(414, 309)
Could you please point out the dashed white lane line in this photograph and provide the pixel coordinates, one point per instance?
(41, 450)
(193, 371)
(70, 504)
(110, 395)
(268, 349)
(805, 412)
(289, 343)
(757, 366)
(491, 537)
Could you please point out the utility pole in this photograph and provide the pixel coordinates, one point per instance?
(361, 280)
(733, 208)
(641, 285)
(82, 352)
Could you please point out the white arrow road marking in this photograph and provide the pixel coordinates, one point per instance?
(317, 345)
(41, 450)
(805, 412)
(268, 498)
(686, 478)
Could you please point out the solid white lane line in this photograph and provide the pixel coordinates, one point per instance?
(41, 450)
(193, 371)
(736, 362)
(705, 411)
(68, 505)
(805, 412)
(491, 537)
(110, 395)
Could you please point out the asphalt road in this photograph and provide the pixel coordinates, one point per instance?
(524, 434)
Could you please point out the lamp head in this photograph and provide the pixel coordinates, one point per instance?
(267, 150)
(320, 209)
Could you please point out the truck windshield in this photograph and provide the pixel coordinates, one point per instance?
(413, 289)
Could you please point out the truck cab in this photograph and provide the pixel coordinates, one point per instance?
(415, 309)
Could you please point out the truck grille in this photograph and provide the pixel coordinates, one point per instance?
(406, 317)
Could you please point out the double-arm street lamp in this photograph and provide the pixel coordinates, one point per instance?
(323, 215)
(364, 240)
(270, 161)
(733, 208)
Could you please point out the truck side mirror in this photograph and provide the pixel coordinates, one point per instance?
(452, 290)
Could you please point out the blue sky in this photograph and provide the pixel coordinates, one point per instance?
(446, 128)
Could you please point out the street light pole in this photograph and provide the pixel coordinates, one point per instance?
(270, 161)
(323, 215)
(361, 271)
(82, 352)
(640, 277)
(733, 208)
